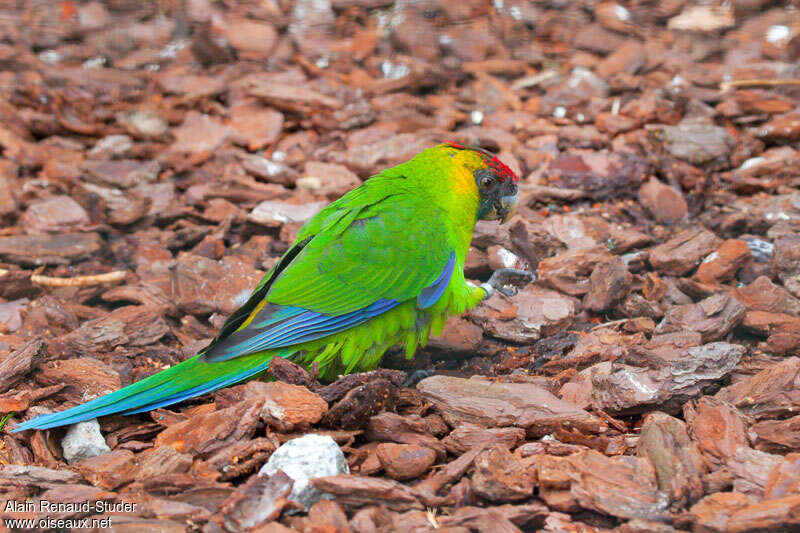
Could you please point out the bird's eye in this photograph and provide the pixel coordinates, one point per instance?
(487, 182)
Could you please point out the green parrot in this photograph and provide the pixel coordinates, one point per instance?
(381, 266)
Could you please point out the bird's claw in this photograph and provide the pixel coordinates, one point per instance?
(416, 376)
(507, 281)
(508, 291)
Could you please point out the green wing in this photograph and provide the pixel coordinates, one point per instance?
(390, 247)
(355, 260)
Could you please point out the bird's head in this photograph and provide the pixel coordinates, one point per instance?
(496, 183)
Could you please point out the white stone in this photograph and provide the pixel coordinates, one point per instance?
(394, 71)
(508, 257)
(621, 12)
(752, 162)
(51, 57)
(778, 33)
(311, 183)
(305, 458)
(82, 441)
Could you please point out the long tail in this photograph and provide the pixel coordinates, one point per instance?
(180, 382)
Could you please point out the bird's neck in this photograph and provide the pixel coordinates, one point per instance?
(459, 199)
(447, 182)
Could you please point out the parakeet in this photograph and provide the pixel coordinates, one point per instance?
(381, 266)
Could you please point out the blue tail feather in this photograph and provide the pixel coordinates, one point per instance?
(175, 384)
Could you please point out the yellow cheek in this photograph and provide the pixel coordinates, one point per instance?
(464, 182)
(465, 166)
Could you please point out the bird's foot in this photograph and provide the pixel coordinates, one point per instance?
(507, 281)
(416, 376)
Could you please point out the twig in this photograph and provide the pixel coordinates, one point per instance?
(451, 473)
(79, 281)
(431, 515)
(615, 106)
(546, 193)
(5, 420)
(533, 81)
(756, 82)
(618, 424)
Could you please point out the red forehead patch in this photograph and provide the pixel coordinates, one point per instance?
(500, 169)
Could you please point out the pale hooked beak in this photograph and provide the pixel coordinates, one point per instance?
(508, 206)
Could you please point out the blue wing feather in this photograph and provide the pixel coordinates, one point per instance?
(278, 326)
(431, 294)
